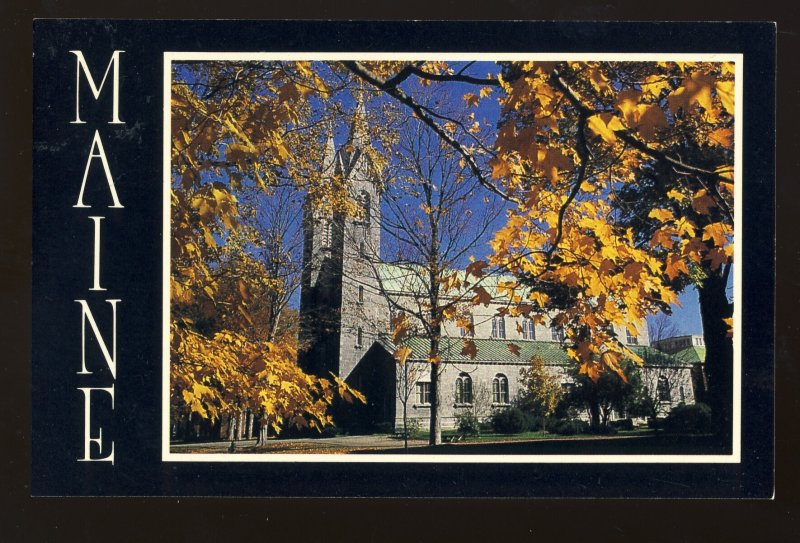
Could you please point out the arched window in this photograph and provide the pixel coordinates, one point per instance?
(557, 333)
(364, 201)
(360, 295)
(663, 389)
(499, 327)
(682, 392)
(528, 329)
(468, 331)
(500, 389)
(464, 389)
(359, 338)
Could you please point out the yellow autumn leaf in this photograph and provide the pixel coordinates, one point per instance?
(402, 354)
(662, 215)
(722, 136)
(604, 126)
(695, 89)
(471, 99)
(717, 232)
(676, 195)
(654, 84)
(725, 91)
(675, 266)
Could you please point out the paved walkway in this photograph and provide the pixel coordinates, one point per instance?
(338, 444)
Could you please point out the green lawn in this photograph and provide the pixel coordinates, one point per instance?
(450, 436)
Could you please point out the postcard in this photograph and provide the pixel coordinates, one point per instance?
(310, 259)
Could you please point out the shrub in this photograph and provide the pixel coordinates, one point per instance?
(412, 430)
(510, 421)
(689, 419)
(384, 428)
(655, 424)
(603, 430)
(622, 424)
(569, 427)
(534, 422)
(468, 425)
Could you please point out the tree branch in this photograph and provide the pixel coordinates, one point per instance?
(398, 94)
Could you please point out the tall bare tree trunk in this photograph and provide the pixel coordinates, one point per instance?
(436, 423)
(714, 306)
(405, 406)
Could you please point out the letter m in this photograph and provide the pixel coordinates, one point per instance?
(81, 65)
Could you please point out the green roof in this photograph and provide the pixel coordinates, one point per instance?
(490, 350)
(655, 357)
(497, 350)
(691, 355)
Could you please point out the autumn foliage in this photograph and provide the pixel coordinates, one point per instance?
(618, 179)
(232, 135)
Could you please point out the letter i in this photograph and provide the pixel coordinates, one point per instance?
(96, 221)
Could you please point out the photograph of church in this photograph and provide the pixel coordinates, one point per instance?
(349, 297)
(370, 247)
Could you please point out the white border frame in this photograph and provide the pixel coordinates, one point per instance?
(734, 457)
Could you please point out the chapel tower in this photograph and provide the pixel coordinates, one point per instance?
(340, 304)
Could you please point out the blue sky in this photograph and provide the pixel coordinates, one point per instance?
(686, 316)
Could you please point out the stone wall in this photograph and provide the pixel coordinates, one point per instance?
(482, 376)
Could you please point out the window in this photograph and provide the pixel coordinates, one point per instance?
(557, 333)
(327, 233)
(464, 389)
(528, 329)
(682, 392)
(359, 338)
(424, 393)
(500, 389)
(662, 390)
(499, 327)
(361, 295)
(632, 339)
(470, 330)
(362, 250)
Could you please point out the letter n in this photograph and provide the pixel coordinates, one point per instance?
(111, 358)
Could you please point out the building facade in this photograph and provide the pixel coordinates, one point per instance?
(348, 299)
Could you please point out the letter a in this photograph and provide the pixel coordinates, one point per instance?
(81, 65)
(101, 154)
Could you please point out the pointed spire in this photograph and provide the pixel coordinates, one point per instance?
(329, 158)
(359, 135)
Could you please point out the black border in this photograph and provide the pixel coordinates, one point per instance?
(135, 152)
(700, 520)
